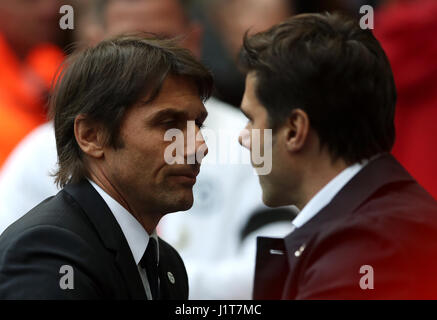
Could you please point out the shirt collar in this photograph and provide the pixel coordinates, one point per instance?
(136, 236)
(327, 193)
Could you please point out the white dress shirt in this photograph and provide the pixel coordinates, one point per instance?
(136, 236)
(326, 194)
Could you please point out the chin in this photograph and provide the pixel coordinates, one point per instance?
(186, 205)
(273, 199)
(269, 202)
(183, 202)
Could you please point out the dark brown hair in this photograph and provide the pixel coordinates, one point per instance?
(104, 81)
(326, 65)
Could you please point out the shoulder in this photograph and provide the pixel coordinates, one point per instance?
(405, 209)
(397, 216)
(394, 233)
(34, 259)
(53, 221)
(407, 199)
(59, 211)
(37, 250)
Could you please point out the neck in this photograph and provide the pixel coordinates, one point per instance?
(318, 174)
(147, 220)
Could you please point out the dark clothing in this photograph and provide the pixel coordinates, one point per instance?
(382, 218)
(77, 229)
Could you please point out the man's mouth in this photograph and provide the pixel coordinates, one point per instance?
(186, 175)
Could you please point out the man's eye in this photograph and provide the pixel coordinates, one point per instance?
(170, 123)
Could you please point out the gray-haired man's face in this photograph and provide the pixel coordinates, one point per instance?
(138, 169)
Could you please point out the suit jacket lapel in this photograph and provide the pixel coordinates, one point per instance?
(173, 280)
(271, 269)
(166, 288)
(377, 174)
(110, 233)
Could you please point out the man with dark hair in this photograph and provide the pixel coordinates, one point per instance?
(96, 238)
(367, 229)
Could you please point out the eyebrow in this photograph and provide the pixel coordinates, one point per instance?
(175, 114)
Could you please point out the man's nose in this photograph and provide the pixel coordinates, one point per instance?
(196, 148)
(244, 138)
(201, 146)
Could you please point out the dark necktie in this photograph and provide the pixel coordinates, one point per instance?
(149, 261)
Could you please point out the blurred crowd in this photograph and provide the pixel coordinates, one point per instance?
(216, 238)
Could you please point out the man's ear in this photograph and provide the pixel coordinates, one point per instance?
(89, 136)
(296, 130)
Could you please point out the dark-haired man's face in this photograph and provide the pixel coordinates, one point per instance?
(281, 177)
(138, 170)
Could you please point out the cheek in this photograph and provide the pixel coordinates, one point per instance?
(149, 157)
(133, 162)
(143, 153)
(277, 173)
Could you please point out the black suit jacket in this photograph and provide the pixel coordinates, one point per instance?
(76, 228)
(382, 218)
